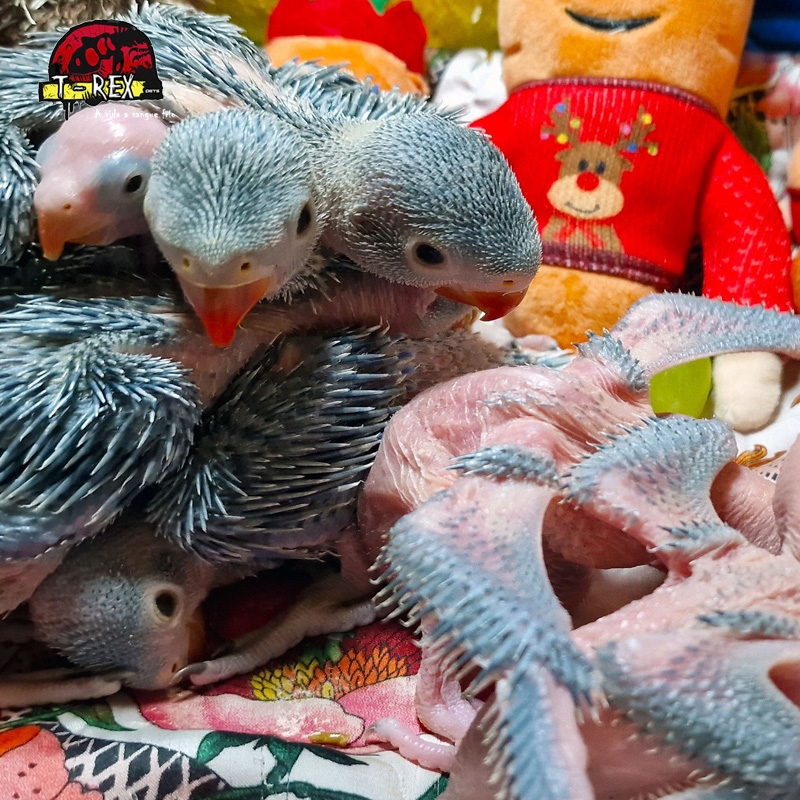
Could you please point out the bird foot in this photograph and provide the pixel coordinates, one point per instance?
(412, 746)
(56, 686)
(329, 606)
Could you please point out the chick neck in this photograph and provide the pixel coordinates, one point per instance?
(339, 155)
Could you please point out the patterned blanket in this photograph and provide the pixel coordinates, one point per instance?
(298, 727)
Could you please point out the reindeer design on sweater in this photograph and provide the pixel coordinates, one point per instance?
(587, 193)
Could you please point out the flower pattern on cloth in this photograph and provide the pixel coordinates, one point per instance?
(32, 766)
(298, 726)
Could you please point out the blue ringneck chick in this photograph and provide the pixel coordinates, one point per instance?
(416, 198)
(391, 196)
(232, 205)
(125, 602)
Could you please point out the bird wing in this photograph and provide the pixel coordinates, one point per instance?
(663, 330)
(654, 483)
(471, 558)
(85, 420)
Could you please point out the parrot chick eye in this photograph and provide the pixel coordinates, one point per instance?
(427, 260)
(122, 180)
(165, 605)
(304, 220)
(134, 184)
(428, 254)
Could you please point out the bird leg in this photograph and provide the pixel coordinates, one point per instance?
(441, 708)
(328, 606)
(441, 705)
(56, 686)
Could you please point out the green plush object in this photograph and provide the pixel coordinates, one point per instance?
(683, 389)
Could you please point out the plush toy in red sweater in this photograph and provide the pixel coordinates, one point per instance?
(614, 128)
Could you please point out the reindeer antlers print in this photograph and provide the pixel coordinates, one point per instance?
(564, 129)
(632, 137)
(587, 193)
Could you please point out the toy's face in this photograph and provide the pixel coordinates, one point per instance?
(684, 43)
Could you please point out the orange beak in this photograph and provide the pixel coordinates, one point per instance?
(56, 229)
(222, 308)
(52, 236)
(493, 304)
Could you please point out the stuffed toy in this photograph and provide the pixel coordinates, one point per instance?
(389, 48)
(793, 190)
(451, 24)
(615, 128)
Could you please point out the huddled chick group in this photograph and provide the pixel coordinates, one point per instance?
(331, 239)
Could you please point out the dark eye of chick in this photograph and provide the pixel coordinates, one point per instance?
(133, 184)
(166, 604)
(304, 220)
(428, 254)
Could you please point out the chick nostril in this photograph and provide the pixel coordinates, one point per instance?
(588, 181)
(186, 263)
(508, 282)
(67, 206)
(245, 267)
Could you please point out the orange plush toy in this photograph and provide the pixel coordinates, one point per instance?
(614, 127)
(387, 48)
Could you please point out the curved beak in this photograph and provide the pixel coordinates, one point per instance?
(53, 235)
(222, 308)
(493, 304)
(56, 228)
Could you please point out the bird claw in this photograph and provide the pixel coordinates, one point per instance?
(328, 606)
(186, 672)
(199, 667)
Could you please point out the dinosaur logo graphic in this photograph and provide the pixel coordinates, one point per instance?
(587, 193)
(101, 61)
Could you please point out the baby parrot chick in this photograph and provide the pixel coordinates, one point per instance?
(94, 173)
(232, 205)
(126, 601)
(418, 199)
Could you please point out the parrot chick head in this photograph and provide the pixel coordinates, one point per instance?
(232, 205)
(433, 204)
(94, 173)
(126, 601)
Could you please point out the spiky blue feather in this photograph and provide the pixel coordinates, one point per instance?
(281, 454)
(83, 424)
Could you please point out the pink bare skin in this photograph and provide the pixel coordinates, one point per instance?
(657, 492)
(507, 405)
(733, 601)
(95, 169)
(521, 406)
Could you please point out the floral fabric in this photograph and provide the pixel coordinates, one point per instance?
(298, 727)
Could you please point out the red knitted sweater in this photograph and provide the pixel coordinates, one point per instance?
(625, 176)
